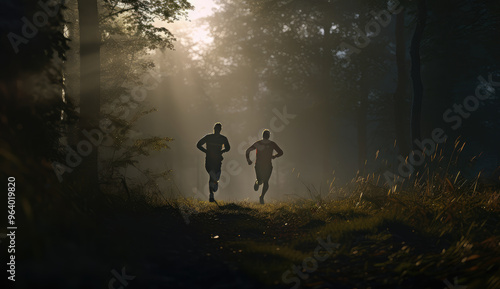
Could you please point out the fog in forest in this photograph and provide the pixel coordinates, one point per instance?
(384, 143)
(379, 91)
(334, 99)
(200, 84)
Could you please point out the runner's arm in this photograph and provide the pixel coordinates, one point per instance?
(227, 147)
(247, 153)
(278, 150)
(200, 144)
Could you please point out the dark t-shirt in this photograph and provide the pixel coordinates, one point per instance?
(214, 146)
(265, 150)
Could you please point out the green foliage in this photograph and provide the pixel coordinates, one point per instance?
(138, 18)
(34, 115)
(124, 151)
(128, 33)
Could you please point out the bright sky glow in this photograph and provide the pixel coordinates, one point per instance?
(202, 8)
(198, 33)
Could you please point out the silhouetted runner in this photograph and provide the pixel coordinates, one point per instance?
(216, 144)
(263, 166)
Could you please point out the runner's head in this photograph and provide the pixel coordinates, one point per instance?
(217, 128)
(266, 134)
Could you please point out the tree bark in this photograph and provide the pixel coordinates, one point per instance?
(401, 109)
(362, 123)
(326, 108)
(72, 66)
(90, 42)
(418, 88)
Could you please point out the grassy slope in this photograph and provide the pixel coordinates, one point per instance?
(411, 241)
(400, 241)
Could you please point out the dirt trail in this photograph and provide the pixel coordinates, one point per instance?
(158, 249)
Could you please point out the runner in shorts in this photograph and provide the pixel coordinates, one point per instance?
(215, 145)
(263, 165)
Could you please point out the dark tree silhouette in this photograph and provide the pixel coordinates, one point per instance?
(400, 107)
(418, 88)
(90, 73)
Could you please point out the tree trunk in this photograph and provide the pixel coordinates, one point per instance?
(326, 107)
(362, 123)
(418, 88)
(400, 108)
(90, 42)
(72, 66)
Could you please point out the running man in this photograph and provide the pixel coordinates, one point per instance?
(263, 166)
(216, 144)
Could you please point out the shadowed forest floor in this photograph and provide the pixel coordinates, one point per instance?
(397, 241)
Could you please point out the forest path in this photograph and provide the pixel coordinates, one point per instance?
(195, 244)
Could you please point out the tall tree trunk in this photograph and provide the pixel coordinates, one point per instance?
(418, 87)
(400, 108)
(362, 124)
(72, 65)
(90, 42)
(326, 107)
